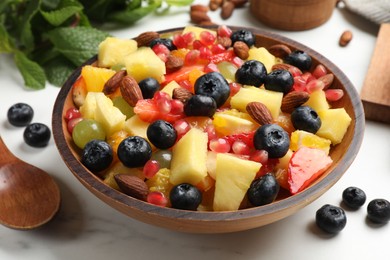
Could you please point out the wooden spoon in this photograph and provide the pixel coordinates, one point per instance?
(29, 197)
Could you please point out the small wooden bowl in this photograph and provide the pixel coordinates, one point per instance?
(292, 15)
(218, 222)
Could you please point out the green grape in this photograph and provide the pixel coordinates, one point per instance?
(123, 106)
(227, 69)
(163, 157)
(87, 130)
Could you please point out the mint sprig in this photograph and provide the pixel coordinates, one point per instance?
(50, 38)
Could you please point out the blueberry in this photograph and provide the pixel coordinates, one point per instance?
(214, 85)
(165, 41)
(37, 135)
(272, 138)
(185, 196)
(200, 105)
(97, 155)
(299, 59)
(252, 72)
(306, 118)
(161, 134)
(354, 197)
(378, 211)
(244, 36)
(263, 190)
(331, 219)
(279, 80)
(20, 114)
(134, 151)
(148, 87)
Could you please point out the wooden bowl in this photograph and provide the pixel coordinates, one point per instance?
(218, 222)
(292, 15)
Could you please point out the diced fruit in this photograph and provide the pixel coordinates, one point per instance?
(189, 158)
(300, 138)
(227, 123)
(148, 111)
(306, 165)
(95, 77)
(136, 127)
(108, 115)
(261, 54)
(112, 51)
(335, 124)
(281, 170)
(79, 92)
(233, 178)
(144, 63)
(119, 168)
(317, 101)
(170, 87)
(88, 108)
(271, 99)
(160, 182)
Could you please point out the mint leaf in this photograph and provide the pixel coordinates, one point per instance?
(179, 2)
(33, 75)
(64, 11)
(58, 70)
(77, 44)
(131, 16)
(6, 44)
(26, 36)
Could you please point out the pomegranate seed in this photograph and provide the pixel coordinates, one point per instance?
(179, 41)
(219, 145)
(182, 127)
(150, 169)
(224, 31)
(207, 38)
(240, 148)
(72, 123)
(72, 113)
(260, 156)
(161, 51)
(196, 45)
(185, 84)
(299, 83)
(319, 71)
(307, 76)
(295, 71)
(163, 101)
(211, 67)
(205, 53)
(177, 107)
(237, 61)
(234, 88)
(315, 85)
(217, 48)
(192, 57)
(210, 130)
(157, 198)
(334, 94)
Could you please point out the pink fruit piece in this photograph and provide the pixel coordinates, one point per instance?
(305, 166)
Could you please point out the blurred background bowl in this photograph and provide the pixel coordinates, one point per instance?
(292, 15)
(218, 222)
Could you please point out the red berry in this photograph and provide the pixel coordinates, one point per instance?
(182, 127)
(334, 94)
(299, 84)
(224, 31)
(319, 71)
(150, 169)
(72, 113)
(177, 107)
(260, 156)
(157, 198)
(241, 148)
(207, 38)
(219, 145)
(204, 53)
(163, 101)
(315, 85)
(72, 123)
(192, 57)
(161, 51)
(217, 48)
(234, 88)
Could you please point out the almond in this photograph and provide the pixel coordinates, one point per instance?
(199, 7)
(293, 100)
(227, 10)
(199, 17)
(215, 4)
(259, 112)
(224, 41)
(284, 66)
(114, 82)
(241, 49)
(132, 186)
(130, 90)
(173, 63)
(345, 38)
(144, 39)
(279, 50)
(181, 94)
(327, 79)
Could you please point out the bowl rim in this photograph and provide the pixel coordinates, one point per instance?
(306, 196)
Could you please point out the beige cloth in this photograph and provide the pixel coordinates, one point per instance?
(377, 11)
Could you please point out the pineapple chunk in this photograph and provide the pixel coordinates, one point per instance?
(271, 99)
(227, 123)
(136, 127)
(144, 63)
(281, 170)
(108, 115)
(334, 124)
(112, 51)
(233, 179)
(317, 101)
(189, 156)
(88, 108)
(261, 54)
(95, 77)
(170, 87)
(197, 31)
(301, 138)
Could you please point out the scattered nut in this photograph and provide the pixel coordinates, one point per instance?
(198, 17)
(130, 90)
(227, 10)
(259, 112)
(114, 82)
(199, 7)
(294, 99)
(345, 38)
(215, 4)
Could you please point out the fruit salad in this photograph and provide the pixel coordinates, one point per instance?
(205, 119)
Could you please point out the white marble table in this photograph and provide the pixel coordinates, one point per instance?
(86, 228)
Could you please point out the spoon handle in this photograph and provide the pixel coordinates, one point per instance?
(5, 154)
